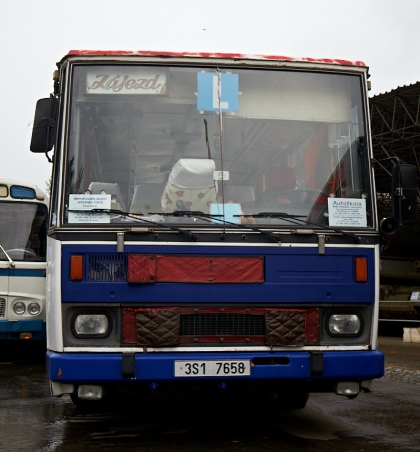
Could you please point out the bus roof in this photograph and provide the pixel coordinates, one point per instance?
(40, 195)
(232, 56)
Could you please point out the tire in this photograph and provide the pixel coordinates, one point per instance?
(292, 400)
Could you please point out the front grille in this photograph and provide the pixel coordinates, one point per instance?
(2, 307)
(221, 325)
(107, 267)
(168, 326)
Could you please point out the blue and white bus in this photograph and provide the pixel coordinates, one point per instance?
(23, 247)
(213, 223)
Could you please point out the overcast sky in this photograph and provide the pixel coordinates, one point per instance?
(34, 35)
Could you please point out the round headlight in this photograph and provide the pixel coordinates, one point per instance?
(19, 308)
(346, 324)
(95, 324)
(34, 308)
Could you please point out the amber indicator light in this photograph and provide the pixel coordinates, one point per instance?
(360, 264)
(76, 268)
(26, 335)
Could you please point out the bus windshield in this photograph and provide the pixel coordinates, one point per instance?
(240, 145)
(23, 229)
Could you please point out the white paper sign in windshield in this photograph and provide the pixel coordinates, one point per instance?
(344, 212)
(211, 89)
(80, 205)
(132, 81)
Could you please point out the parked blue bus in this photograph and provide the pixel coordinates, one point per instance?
(23, 248)
(213, 224)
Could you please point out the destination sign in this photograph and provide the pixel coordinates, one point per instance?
(133, 81)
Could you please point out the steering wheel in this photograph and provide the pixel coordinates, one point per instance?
(26, 251)
(300, 195)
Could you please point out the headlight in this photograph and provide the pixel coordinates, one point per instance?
(91, 324)
(34, 308)
(344, 324)
(19, 308)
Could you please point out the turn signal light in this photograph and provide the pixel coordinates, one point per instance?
(26, 335)
(360, 266)
(76, 268)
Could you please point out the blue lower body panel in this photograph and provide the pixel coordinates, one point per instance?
(12, 330)
(102, 368)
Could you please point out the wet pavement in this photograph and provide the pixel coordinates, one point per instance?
(386, 420)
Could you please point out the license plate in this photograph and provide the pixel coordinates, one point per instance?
(212, 368)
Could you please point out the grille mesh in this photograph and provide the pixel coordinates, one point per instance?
(221, 324)
(2, 306)
(107, 267)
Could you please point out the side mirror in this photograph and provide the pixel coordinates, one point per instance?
(44, 128)
(404, 192)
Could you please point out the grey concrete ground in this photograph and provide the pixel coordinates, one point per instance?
(386, 420)
(402, 360)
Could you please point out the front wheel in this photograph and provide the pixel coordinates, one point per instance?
(292, 400)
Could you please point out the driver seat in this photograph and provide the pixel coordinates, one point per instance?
(278, 179)
(190, 186)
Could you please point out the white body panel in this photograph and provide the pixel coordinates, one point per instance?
(54, 327)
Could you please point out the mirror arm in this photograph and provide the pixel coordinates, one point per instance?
(48, 157)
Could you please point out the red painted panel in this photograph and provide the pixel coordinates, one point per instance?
(141, 268)
(312, 326)
(129, 333)
(243, 340)
(213, 269)
(220, 310)
(195, 269)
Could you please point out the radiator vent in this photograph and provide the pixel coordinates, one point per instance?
(222, 324)
(107, 267)
(2, 307)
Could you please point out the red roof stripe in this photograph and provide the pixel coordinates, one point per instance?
(241, 56)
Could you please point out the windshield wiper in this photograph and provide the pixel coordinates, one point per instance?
(177, 213)
(293, 219)
(11, 263)
(136, 217)
(198, 214)
(296, 219)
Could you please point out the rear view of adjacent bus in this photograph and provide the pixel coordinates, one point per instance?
(213, 225)
(23, 237)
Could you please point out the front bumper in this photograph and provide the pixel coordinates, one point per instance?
(10, 330)
(303, 367)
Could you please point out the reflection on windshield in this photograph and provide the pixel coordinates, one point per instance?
(228, 143)
(23, 230)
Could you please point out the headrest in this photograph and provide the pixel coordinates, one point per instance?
(193, 173)
(109, 188)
